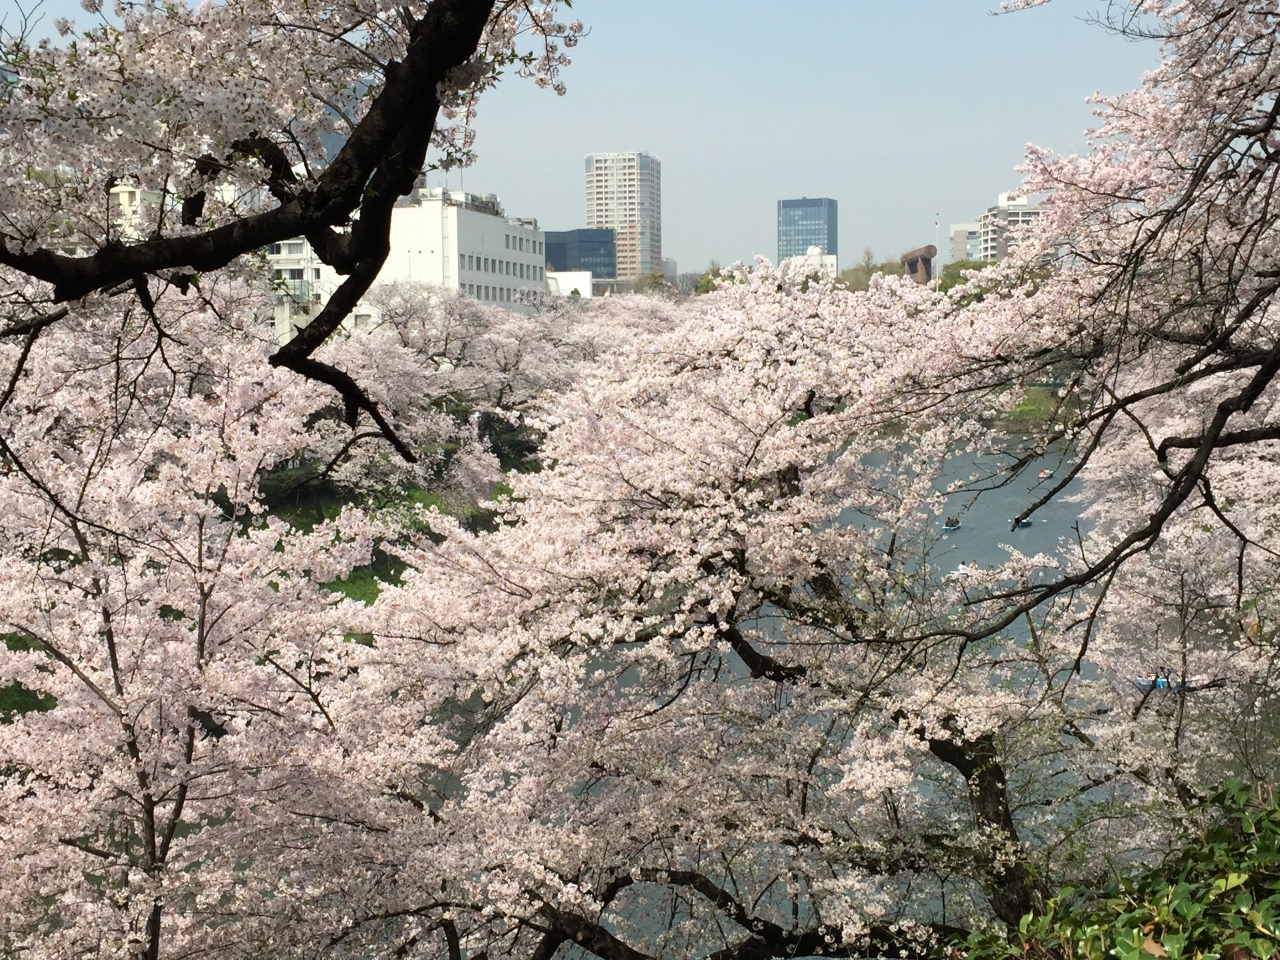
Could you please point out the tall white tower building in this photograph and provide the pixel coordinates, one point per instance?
(624, 191)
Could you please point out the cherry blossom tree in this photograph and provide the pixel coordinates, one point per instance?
(724, 707)
(216, 112)
(183, 637)
(701, 689)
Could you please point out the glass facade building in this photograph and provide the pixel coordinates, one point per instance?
(590, 249)
(807, 223)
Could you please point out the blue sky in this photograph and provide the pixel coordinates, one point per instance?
(899, 109)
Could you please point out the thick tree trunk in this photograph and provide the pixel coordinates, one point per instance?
(1011, 885)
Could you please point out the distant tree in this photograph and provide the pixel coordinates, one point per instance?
(858, 277)
(655, 284)
(687, 283)
(707, 282)
(952, 273)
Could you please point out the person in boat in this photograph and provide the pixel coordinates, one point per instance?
(952, 523)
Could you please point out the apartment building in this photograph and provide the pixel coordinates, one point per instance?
(624, 193)
(994, 226)
(302, 284)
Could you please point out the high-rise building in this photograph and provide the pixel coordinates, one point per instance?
(624, 193)
(591, 249)
(807, 223)
(994, 225)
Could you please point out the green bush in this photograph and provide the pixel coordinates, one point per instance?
(1216, 898)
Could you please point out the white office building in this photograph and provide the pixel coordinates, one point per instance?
(458, 240)
(624, 192)
(466, 242)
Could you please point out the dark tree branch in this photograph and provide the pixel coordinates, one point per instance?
(374, 158)
(1230, 439)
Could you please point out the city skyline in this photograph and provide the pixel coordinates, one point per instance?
(882, 124)
(900, 113)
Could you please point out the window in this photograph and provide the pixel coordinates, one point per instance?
(487, 262)
(315, 273)
(507, 237)
(294, 248)
(462, 261)
(273, 249)
(522, 243)
(470, 262)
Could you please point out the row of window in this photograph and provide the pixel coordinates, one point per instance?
(294, 273)
(492, 294)
(525, 271)
(524, 244)
(290, 248)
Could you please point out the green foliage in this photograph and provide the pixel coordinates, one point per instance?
(858, 277)
(15, 699)
(653, 283)
(951, 273)
(1038, 406)
(365, 583)
(1216, 898)
(297, 498)
(707, 282)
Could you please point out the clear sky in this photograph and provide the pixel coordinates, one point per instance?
(902, 110)
(899, 109)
